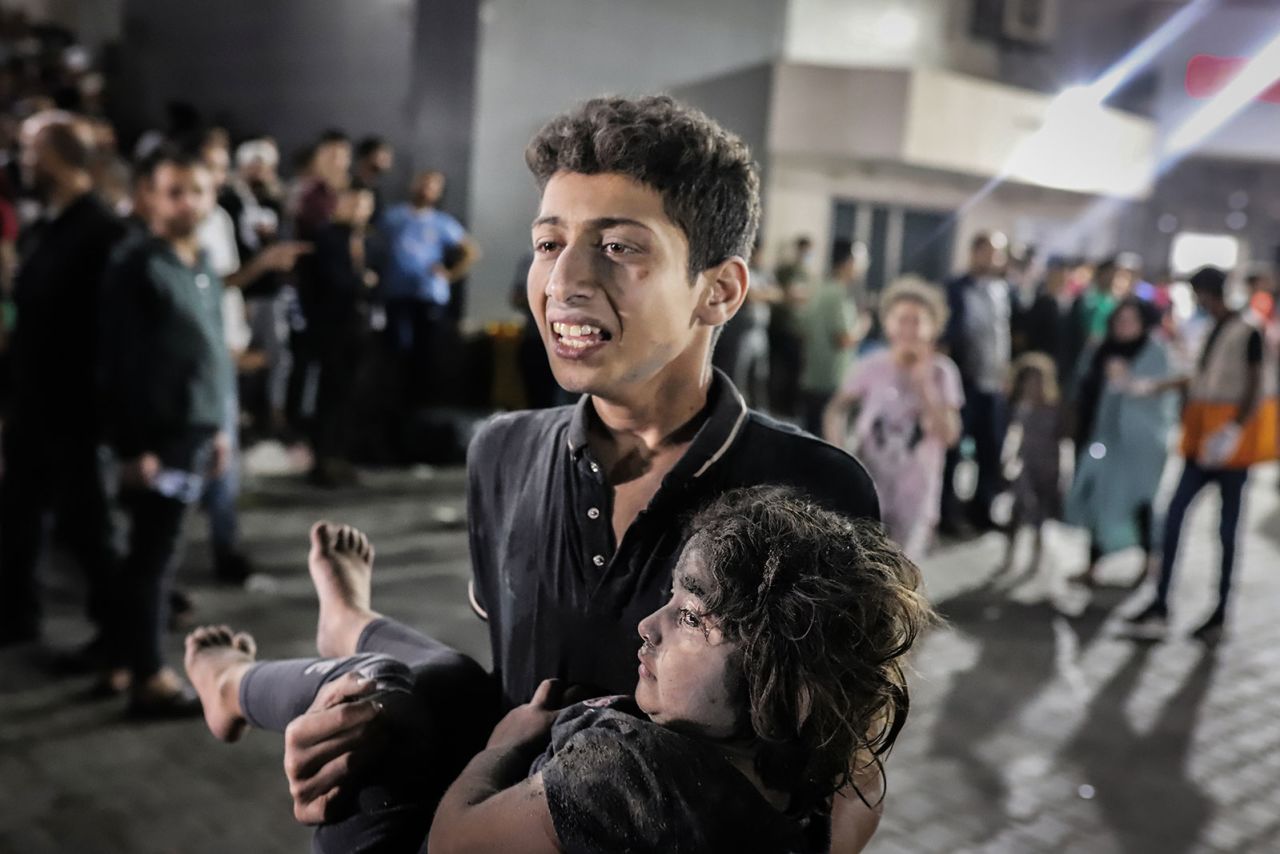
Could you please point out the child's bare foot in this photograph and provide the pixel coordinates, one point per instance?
(216, 661)
(341, 564)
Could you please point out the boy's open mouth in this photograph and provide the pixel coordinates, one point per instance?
(579, 336)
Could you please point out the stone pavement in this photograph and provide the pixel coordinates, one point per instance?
(1035, 726)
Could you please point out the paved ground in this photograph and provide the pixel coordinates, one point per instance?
(1032, 730)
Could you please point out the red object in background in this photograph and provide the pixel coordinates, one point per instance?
(1207, 74)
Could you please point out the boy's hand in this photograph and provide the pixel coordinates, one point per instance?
(322, 746)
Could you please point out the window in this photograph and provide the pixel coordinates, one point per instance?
(1192, 250)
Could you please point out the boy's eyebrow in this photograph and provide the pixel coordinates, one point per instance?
(598, 223)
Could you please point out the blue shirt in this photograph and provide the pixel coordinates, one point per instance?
(417, 241)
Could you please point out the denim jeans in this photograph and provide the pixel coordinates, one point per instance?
(1231, 483)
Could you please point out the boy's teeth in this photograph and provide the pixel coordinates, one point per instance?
(573, 331)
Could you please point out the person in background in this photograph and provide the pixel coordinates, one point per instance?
(978, 340)
(253, 198)
(829, 328)
(908, 398)
(1041, 327)
(218, 238)
(1228, 425)
(333, 304)
(374, 159)
(328, 172)
(1034, 412)
(167, 377)
(1121, 436)
(786, 347)
(416, 283)
(743, 349)
(1113, 280)
(51, 430)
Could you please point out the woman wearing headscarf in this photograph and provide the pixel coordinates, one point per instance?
(1121, 435)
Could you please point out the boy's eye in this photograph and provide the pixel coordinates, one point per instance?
(545, 246)
(688, 618)
(615, 248)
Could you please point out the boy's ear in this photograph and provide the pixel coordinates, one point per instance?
(727, 284)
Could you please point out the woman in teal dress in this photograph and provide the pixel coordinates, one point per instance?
(1122, 435)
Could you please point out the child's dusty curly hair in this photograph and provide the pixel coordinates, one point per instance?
(823, 609)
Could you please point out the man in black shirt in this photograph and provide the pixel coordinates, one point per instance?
(51, 433)
(648, 212)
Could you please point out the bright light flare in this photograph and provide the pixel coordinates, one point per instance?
(1257, 76)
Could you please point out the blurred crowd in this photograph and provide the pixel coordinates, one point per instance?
(1061, 383)
(166, 299)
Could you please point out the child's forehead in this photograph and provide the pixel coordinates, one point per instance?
(691, 574)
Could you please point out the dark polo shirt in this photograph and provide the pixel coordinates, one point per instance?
(561, 597)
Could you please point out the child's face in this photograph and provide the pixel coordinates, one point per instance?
(1033, 387)
(686, 678)
(908, 325)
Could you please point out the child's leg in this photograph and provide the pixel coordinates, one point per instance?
(236, 690)
(1015, 526)
(440, 713)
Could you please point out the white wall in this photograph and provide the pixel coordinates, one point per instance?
(539, 58)
(880, 33)
(800, 195)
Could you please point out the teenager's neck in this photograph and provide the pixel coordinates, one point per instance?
(652, 416)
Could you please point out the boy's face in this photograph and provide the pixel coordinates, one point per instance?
(687, 679)
(609, 286)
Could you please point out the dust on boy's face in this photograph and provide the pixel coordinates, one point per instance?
(688, 680)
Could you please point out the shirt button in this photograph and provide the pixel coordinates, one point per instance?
(598, 560)
(595, 468)
(593, 513)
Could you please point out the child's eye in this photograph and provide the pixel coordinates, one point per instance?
(690, 619)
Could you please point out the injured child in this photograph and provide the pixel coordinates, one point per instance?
(770, 680)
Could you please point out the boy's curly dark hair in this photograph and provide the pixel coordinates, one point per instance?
(823, 609)
(709, 184)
